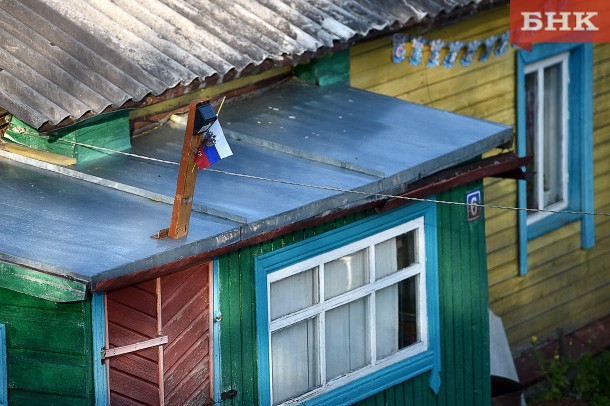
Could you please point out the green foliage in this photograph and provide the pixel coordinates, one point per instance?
(584, 377)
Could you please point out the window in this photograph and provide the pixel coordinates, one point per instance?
(555, 126)
(3, 368)
(348, 309)
(546, 125)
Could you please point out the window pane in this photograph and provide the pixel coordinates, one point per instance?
(294, 359)
(346, 273)
(294, 293)
(531, 125)
(553, 135)
(396, 317)
(397, 253)
(347, 338)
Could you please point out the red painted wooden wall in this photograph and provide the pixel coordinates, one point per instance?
(175, 373)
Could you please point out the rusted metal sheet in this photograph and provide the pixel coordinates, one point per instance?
(63, 61)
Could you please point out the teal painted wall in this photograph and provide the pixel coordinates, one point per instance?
(463, 309)
(48, 350)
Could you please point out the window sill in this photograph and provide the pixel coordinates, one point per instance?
(550, 223)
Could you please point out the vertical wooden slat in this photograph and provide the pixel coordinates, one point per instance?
(107, 345)
(211, 299)
(160, 348)
(226, 328)
(249, 346)
(236, 323)
(186, 318)
(132, 317)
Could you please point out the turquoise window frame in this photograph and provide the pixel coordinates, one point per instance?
(361, 388)
(98, 322)
(3, 368)
(216, 329)
(580, 144)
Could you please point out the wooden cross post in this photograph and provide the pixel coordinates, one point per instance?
(187, 175)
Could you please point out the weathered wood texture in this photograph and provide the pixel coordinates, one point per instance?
(37, 284)
(132, 317)
(110, 131)
(48, 350)
(185, 311)
(463, 307)
(565, 286)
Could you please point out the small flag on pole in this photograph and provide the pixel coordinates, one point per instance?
(214, 147)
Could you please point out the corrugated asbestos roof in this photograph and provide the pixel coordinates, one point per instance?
(61, 60)
(94, 222)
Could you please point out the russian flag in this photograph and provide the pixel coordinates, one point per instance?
(214, 147)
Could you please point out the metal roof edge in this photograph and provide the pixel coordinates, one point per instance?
(111, 280)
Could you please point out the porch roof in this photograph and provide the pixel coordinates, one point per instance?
(93, 222)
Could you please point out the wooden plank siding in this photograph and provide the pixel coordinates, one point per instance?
(132, 317)
(183, 301)
(239, 362)
(561, 278)
(48, 350)
(463, 308)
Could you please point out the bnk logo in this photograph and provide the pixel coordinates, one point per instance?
(563, 21)
(533, 21)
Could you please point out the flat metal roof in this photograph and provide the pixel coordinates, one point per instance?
(94, 221)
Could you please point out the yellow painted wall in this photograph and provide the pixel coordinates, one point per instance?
(565, 286)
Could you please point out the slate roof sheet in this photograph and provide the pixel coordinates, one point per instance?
(62, 60)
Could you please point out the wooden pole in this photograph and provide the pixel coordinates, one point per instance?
(185, 186)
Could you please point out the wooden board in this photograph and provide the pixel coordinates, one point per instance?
(179, 372)
(48, 350)
(41, 285)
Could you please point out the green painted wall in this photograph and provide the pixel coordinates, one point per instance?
(463, 307)
(326, 70)
(48, 350)
(238, 326)
(105, 130)
(464, 318)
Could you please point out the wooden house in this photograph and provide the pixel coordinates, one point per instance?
(339, 256)
(547, 271)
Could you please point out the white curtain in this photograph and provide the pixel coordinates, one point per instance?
(294, 354)
(347, 338)
(294, 293)
(385, 258)
(346, 273)
(386, 321)
(553, 135)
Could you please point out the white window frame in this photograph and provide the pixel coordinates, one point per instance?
(366, 291)
(538, 67)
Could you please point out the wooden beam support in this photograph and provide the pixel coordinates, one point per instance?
(126, 349)
(187, 176)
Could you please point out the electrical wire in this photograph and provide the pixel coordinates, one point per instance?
(342, 190)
